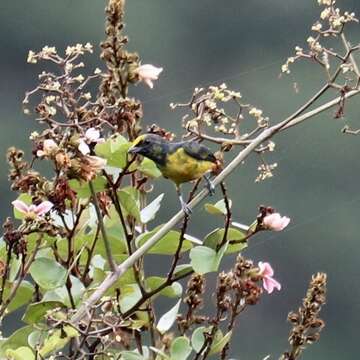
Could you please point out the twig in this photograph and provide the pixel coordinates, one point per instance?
(227, 216)
(22, 276)
(102, 228)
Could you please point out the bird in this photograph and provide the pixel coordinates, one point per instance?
(179, 162)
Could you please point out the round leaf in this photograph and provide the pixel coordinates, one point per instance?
(174, 290)
(180, 348)
(215, 238)
(47, 273)
(204, 259)
(149, 168)
(217, 209)
(198, 338)
(36, 312)
(21, 353)
(166, 245)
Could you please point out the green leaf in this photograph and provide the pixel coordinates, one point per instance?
(27, 199)
(15, 264)
(160, 354)
(22, 353)
(204, 259)
(174, 290)
(167, 245)
(148, 213)
(149, 168)
(36, 312)
(129, 201)
(217, 209)
(130, 295)
(131, 355)
(182, 269)
(17, 339)
(48, 273)
(57, 340)
(215, 238)
(114, 150)
(60, 294)
(167, 320)
(82, 188)
(219, 342)
(35, 338)
(198, 338)
(23, 295)
(180, 348)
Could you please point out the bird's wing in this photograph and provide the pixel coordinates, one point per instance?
(198, 151)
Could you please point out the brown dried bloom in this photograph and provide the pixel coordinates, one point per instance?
(306, 322)
(194, 300)
(87, 167)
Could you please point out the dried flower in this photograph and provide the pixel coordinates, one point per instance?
(267, 272)
(32, 211)
(306, 322)
(147, 73)
(49, 148)
(275, 222)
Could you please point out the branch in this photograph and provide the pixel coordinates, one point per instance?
(102, 227)
(237, 161)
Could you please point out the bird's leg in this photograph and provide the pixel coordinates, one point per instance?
(209, 185)
(184, 205)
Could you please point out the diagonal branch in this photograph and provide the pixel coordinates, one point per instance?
(234, 164)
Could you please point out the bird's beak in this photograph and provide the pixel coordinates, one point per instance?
(134, 150)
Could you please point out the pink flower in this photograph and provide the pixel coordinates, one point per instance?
(147, 73)
(275, 222)
(267, 272)
(92, 135)
(32, 211)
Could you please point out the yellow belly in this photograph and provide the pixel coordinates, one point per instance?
(180, 167)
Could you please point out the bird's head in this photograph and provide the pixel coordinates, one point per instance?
(151, 146)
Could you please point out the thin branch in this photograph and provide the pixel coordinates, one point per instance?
(22, 276)
(102, 228)
(351, 57)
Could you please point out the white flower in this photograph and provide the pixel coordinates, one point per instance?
(31, 59)
(148, 73)
(325, 13)
(255, 112)
(92, 135)
(88, 47)
(49, 147)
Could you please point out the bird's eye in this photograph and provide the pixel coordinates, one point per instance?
(146, 142)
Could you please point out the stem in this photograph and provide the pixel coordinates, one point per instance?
(351, 57)
(22, 276)
(237, 161)
(102, 228)
(227, 216)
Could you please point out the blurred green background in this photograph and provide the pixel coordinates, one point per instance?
(244, 44)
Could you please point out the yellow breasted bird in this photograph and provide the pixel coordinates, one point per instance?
(178, 161)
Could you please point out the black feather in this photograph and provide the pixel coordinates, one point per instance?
(198, 151)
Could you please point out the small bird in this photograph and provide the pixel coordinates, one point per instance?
(178, 161)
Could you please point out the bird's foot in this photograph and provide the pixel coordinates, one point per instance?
(210, 186)
(186, 209)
